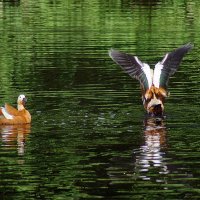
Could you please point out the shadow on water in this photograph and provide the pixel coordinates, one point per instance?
(149, 3)
(12, 2)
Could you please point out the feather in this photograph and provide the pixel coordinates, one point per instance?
(13, 111)
(168, 66)
(134, 67)
(6, 114)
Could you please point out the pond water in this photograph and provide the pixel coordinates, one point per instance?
(89, 137)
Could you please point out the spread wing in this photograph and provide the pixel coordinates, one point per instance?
(168, 66)
(134, 67)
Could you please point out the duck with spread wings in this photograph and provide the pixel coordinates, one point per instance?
(153, 82)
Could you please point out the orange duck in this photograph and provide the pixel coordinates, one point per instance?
(153, 82)
(10, 115)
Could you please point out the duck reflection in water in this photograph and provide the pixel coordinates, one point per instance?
(15, 136)
(150, 156)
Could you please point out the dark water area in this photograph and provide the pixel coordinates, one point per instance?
(90, 137)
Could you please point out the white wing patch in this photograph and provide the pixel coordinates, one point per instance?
(164, 58)
(6, 114)
(138, 61)
(156, 75)
(146, 69)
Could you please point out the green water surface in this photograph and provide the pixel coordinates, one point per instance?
(90, 137)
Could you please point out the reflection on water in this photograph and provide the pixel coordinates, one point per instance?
(151, 154)
(15, 136)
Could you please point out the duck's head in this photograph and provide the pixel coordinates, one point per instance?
(21, 101)
(155, 107)
(154, 101)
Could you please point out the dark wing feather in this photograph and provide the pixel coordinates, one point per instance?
(170, 64)
(133, 66)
